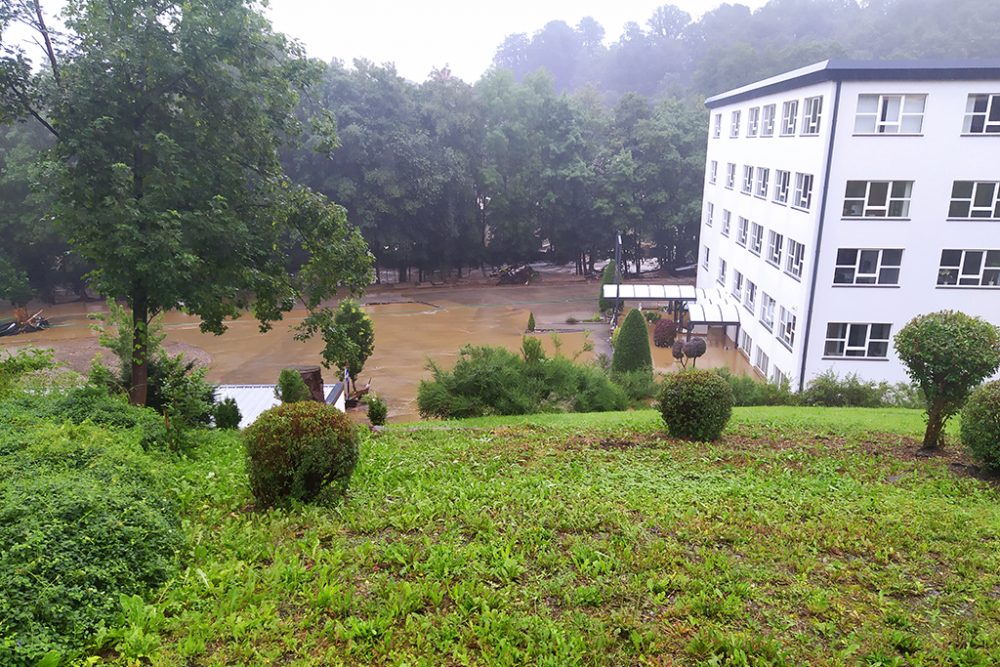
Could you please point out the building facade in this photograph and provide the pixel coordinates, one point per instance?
(845, 198)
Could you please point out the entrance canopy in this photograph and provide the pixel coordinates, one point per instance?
(652, 292)
(713, 314)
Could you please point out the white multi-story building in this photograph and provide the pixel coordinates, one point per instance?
(843, 199)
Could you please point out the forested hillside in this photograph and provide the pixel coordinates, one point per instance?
(566, 141)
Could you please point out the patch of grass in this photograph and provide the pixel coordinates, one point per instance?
(803, 536)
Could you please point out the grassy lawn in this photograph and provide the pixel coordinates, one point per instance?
(807, 536)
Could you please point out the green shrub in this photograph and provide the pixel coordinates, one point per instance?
(13, 365)
(291, 388)
(84, 519)
(572, 320)
(632, 346)
(981, 424)
(748, 391)
(638, 385)
(531, 321)
(227, 414)
(695, 404)
(377, 410)
(664, 333)
(178, 389)
(595, 392)
(652, 316)
(829, 390)
(295, 450)
(607, 278)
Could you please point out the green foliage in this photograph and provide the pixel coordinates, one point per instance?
(607, 278)
(83, 519)
(227, 414)
(115, 332)
(695, 404)
(377, 410)
(695, 348)
(748, 391)
(348, 334)
(296, 450)
(531, 322)
(638, 385)
(947, 353)
(291, 388)
(981, 424)
(632, 346)
(494, 381)
(665, 332)
(828, 389)
(652, 316)
(15, 365)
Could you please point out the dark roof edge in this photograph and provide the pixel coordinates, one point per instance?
(854, 70)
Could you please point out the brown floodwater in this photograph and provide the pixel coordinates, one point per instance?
(412, 325)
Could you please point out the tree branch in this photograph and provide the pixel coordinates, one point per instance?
(43, 29)
(26, 103)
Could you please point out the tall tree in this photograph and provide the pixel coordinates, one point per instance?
(167, 118)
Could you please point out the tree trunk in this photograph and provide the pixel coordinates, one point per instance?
(140, 346)
(935, 426)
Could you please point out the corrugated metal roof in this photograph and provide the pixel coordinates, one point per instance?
(254, 399)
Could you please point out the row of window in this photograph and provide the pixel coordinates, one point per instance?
(745, 291)
(787, 254)
(844, 340)
(881, 266)
(875, 114)
(760, 359)
(970, 200)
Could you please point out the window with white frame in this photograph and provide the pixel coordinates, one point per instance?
(726, 220)
(863, 340)
(789, 117)
(737, 290)
(778, 378)
(730, 175)
(969, 268)
(982, 114)
(756, 238)
(786, 327)
(747, 186)
(750, 296)
(767, 120)
(775, 246)
(763, 176)
(975, 199)
(722, 271)
(753, 121)
(782, 182)
(746, 342)
(890, 114)
(867, 266)
(742, 231)
(709, 213)
(877, 199)
(803, 191)
(707, 251)
(761, 361)
(713, 171)
(812, 108)
(795, 255)
(767, 306)
(717, 126)
(734, 129)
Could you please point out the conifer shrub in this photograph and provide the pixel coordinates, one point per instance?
(607, 278)
(227, 414)
(531, 321)
(291, 388)
(296, 450)
(632, 345)
(981, 425)
(664, 333)
(696, 404)
(377, 410)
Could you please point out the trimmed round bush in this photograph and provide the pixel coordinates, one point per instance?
(295, 450)
(664, 333)
(696, 404)
(632, 345)
(981, 425)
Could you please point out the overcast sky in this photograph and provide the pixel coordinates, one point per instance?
(462, 34)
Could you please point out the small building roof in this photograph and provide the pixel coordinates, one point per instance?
(255, 399)
(651, 292)
(713, 314)
(863, 70)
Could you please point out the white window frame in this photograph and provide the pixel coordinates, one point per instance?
(782, 184)
(789, 117)
(727, 219)
(753, 122)
(762, 361)
(896, 194)
(717, 126)
(786, 327)
(890, 114)
(709, 212)
(768, 112)
(746, 343)
(750, 296)
(803, 191)
(874, 277)
(767, 309)
(795, 255)
(738, 282)
(723, 266)
(775, 246)
(777, 377)
(746, 187)
(812, 112)
(987, 117)
(756, 243)
(763, 176)
(975, 204)
(857, 351)
(985, 276)
(734, 128)
(705, 261)
(742, 231)
(730, 175)
(713, 171)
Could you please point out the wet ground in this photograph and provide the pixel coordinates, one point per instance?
(412, 324)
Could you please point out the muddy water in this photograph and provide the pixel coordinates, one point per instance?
(412, 325)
